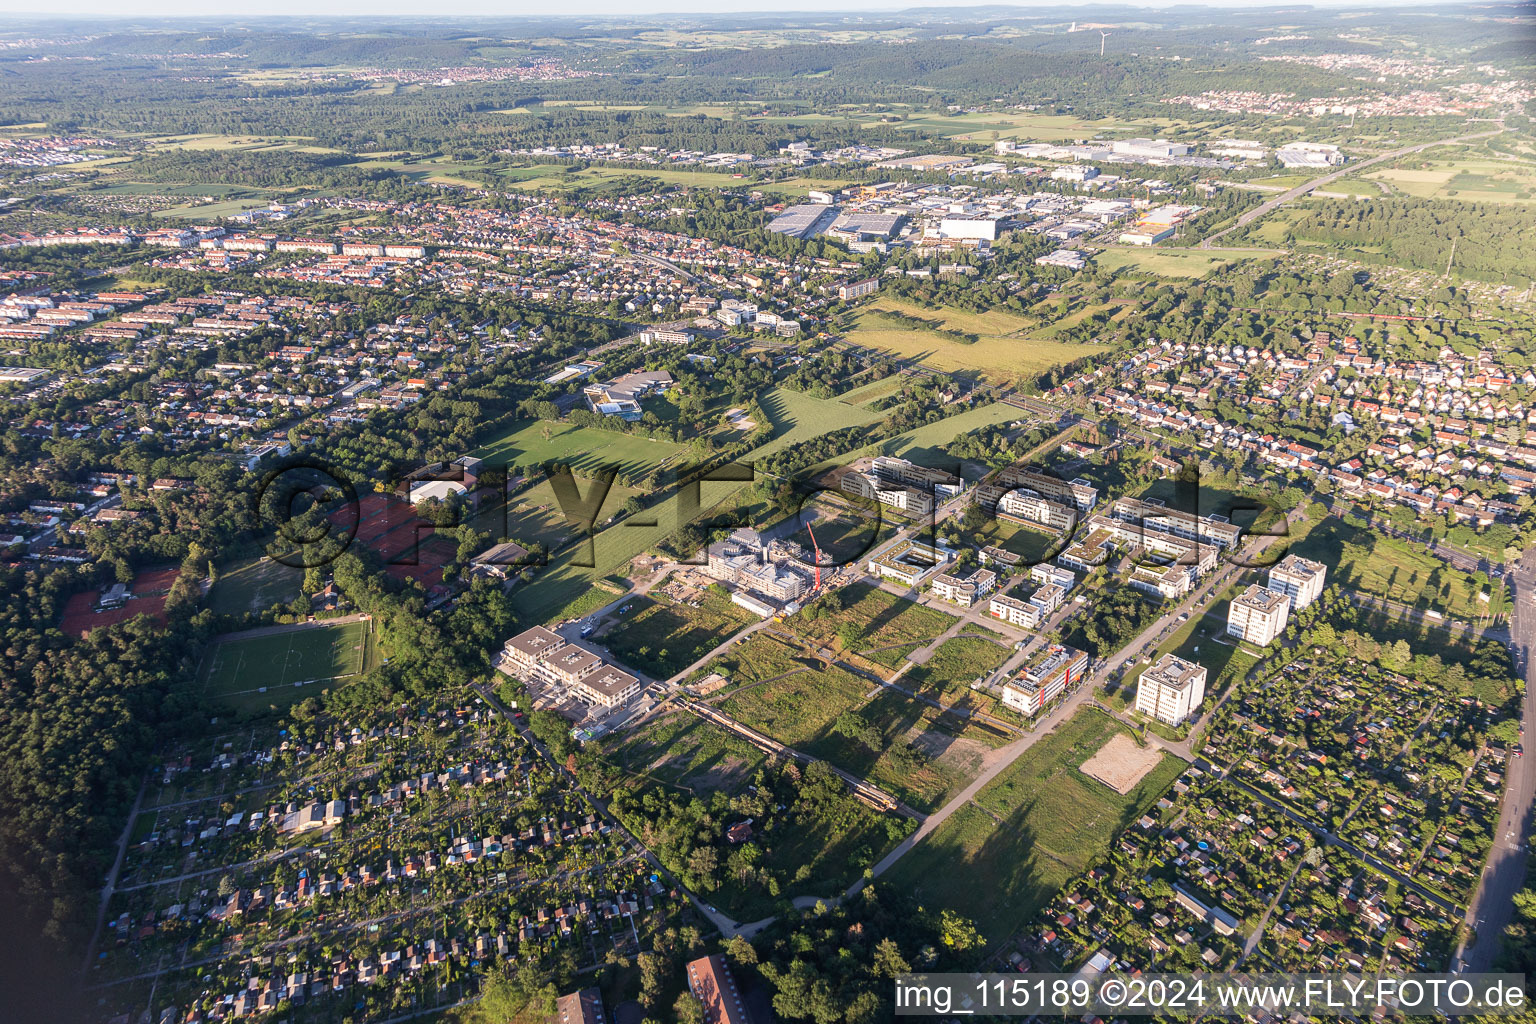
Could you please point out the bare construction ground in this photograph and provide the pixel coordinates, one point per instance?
(1121, 763)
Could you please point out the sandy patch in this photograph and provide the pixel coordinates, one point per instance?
(1121, 763)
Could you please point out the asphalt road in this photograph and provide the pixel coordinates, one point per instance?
(1348, 169)
(1493, 905)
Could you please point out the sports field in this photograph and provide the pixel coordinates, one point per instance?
(246, 671)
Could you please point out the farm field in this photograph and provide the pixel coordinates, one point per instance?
(278, 668)
(991, 355)
(661, 637)
(1469, 178)
(1002, 856)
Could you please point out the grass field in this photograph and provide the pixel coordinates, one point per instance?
(583, 449)
(536, 515)
(1379, 564)
(254, 584)
(936, 436)
(993, 322)
(279, 668)
(817, 848)
(1163, 262)
(959, 661)
(995, 355)
(908, 748)
(798, 709)
(661, 637)
(565, 588)
(1000, 858)
(880, 619)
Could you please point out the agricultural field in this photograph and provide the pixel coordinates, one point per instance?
(1000, 858)
(661, 637)
(277, 668)
(1470, 178)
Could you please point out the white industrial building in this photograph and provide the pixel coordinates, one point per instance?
(1309, 154)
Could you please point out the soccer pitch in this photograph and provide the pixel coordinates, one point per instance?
(262, 663)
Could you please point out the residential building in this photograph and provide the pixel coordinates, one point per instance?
(1298, 579)
(583, 1007)
(964, 590)
(1258, 615)
(711, 982)
(858, 289)
(1171, 690)
(543, 655)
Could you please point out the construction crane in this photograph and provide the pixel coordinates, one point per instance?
(816, 548)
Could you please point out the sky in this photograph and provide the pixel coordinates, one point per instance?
(516, 8)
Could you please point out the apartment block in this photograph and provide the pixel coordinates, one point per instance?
(542, 655)
(1171, 690)
(1258, 615)
(1298, 579)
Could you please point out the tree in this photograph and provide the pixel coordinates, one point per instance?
(958, 933)
(688, 1010)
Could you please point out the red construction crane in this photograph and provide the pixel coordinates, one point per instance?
(816, 548)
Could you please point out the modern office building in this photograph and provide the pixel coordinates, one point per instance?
(1047, 678)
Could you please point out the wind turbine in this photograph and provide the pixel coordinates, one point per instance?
(1102, 36)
